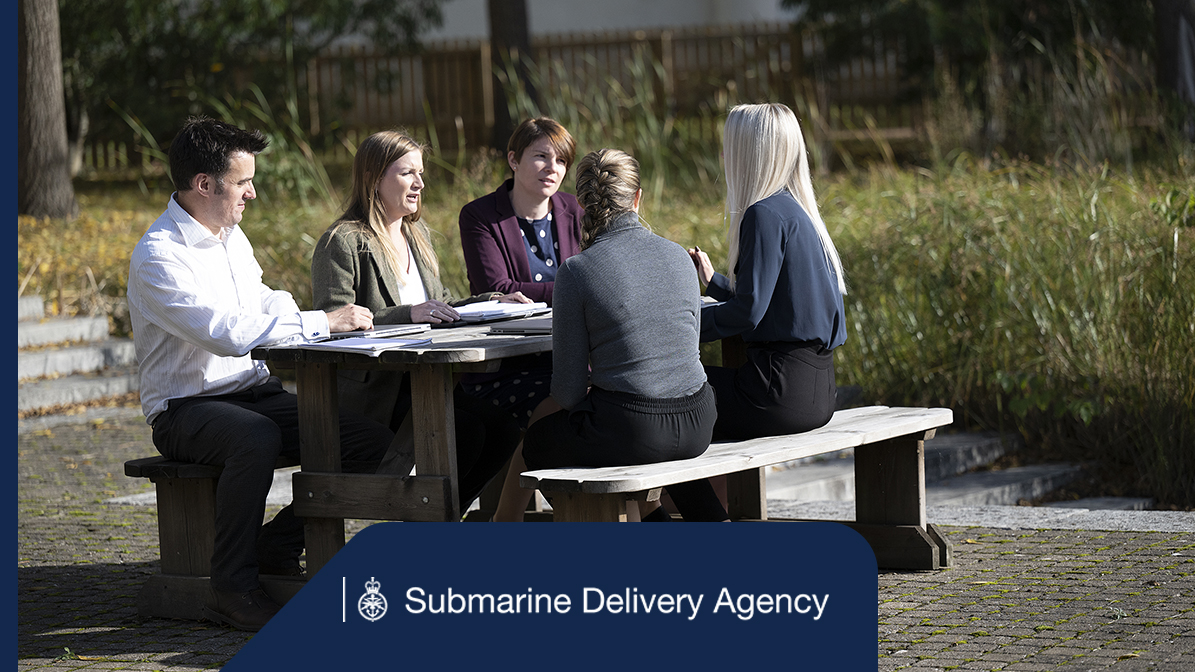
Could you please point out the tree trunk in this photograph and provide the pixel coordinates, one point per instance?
(510, 45)
(43, 174)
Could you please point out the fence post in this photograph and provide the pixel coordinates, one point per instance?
(663, 48)
(487, 88)
(313, 95)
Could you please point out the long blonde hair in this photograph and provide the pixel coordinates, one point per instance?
(764, 152)
(365, 210)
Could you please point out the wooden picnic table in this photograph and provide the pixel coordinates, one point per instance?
(322, 494)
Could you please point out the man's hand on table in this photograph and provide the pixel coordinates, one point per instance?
(350, 318)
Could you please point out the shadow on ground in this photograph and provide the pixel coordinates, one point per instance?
(87, 612)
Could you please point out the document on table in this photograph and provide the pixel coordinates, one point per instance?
(365, 345)
(528, 326)
(381, 331)
(486, 311)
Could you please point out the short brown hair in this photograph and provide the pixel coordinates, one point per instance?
(531, 130)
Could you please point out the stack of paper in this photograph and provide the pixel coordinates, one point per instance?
(366, 345)
(484, 311)
(382, 331)
(528, 326)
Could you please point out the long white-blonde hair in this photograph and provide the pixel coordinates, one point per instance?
(764, 152)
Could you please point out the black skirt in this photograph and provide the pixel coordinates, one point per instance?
(784, 388)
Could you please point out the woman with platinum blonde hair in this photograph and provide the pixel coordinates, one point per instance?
(627, 382)
(784, 285)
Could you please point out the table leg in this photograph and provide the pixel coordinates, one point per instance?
(435, 428)
(319, 451)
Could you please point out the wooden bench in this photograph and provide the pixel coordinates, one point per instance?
(187, 534)
(889, 480)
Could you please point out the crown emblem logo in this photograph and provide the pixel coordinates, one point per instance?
(372, 604)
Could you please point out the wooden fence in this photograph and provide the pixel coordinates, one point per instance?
(446, 91)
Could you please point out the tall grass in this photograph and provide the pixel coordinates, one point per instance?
(1052, 301)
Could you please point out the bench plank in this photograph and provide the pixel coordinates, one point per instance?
(373, 497)
(849, 428)
(164, 467)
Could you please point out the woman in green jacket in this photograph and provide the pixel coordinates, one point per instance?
(378, 255)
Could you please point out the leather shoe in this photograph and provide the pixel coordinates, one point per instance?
(244, 611)
(290, 569)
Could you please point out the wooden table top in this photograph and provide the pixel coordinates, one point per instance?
(456, 345)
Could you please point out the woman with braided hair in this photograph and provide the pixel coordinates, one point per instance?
(783, 292)
(627, 382)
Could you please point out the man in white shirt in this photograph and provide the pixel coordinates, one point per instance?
(198, 306)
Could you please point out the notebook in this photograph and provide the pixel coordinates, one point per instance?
(488, 311)
(383, 331)
(365, 345)
(528, 326)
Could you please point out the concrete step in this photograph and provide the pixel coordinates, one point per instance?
(1006, 517)
(1105, 504)
(1006, 486)
(77, 389)
(833, 478)
(75, 359)
(30, 308)
(949, 455)
(61, 330)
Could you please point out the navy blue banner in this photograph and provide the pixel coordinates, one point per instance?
(582, 597)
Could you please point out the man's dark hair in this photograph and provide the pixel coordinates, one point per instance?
(203, 145)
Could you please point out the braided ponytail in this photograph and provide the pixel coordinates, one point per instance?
(607, 181)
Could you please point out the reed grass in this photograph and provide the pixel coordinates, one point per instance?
(1050, 301)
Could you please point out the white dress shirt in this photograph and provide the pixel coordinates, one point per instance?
(198, 306)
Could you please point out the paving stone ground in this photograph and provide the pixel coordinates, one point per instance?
(1031, 599)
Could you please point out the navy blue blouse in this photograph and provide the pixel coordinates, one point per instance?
(784, 289)
(543, 255)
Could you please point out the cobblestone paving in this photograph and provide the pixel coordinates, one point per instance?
(1015, 600)
(1044, 600)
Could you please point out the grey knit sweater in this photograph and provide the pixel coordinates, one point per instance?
(627, 309)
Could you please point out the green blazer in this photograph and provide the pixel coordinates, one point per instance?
(345, 269)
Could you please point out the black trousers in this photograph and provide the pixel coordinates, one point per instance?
(784, 388)
(614, 428)
(246, 432)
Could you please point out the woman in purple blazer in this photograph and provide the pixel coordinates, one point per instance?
(514, 240)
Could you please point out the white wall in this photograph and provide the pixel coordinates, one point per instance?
(466, 19)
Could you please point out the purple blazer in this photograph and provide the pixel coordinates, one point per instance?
(495, 256)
